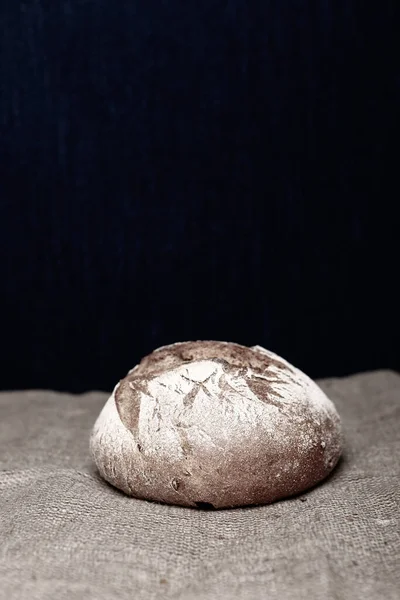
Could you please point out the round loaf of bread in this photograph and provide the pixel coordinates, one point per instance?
(216, 424)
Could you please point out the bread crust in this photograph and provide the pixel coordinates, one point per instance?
(215, 424)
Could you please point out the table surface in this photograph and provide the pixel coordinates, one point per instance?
(66, 534)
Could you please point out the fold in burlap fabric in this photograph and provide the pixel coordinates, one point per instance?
(65, 534)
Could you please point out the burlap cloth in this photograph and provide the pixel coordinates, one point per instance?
(66, 534)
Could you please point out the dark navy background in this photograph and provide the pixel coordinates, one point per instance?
(196, 170)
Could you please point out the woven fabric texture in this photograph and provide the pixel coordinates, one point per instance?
(66, 534)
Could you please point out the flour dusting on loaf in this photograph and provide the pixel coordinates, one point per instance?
(218, 424)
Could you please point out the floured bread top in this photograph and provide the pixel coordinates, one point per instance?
(177, 386)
